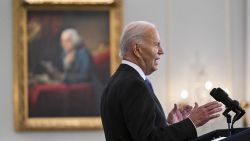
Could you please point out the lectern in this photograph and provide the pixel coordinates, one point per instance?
(237, 134)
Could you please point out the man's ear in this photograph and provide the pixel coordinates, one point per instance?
(137, 50)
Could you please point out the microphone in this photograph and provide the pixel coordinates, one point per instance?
(220, 95)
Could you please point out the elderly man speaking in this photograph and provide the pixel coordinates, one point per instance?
(130, 111)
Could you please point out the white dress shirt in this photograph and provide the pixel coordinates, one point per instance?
(136, 67)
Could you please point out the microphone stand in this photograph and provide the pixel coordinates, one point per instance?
(237, 116)
(229, 120)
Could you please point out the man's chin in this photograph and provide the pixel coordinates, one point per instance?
(152, 70)
(155, 68)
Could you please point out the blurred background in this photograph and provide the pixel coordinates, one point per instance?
(206, 44)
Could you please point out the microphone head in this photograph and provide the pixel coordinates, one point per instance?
(218, 94)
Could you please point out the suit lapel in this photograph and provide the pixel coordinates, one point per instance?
(124, 67)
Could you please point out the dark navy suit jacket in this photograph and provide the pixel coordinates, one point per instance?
(131, 112)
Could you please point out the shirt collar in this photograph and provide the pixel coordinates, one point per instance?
(136, 67)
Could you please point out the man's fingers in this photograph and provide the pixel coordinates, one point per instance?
(211, 107)
(201, 115)
(179, 115)
(187, 107)
(210, 103)
(188, 110)
(214, 116)
(215, 110)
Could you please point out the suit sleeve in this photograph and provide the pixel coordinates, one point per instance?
(138, 109)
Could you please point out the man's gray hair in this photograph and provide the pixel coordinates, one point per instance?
(133, 32)
(74, 35)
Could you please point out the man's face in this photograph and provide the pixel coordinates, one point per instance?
(67, 43)
(151, 51)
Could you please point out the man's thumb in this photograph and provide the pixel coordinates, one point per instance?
(196, 105)
(175, 107)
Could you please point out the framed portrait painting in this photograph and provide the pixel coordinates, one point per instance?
(64, 54)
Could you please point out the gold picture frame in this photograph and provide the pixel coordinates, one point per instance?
(21, 10)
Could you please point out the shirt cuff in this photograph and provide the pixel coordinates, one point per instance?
(192, 122)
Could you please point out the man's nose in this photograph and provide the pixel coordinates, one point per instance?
(160, 51)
